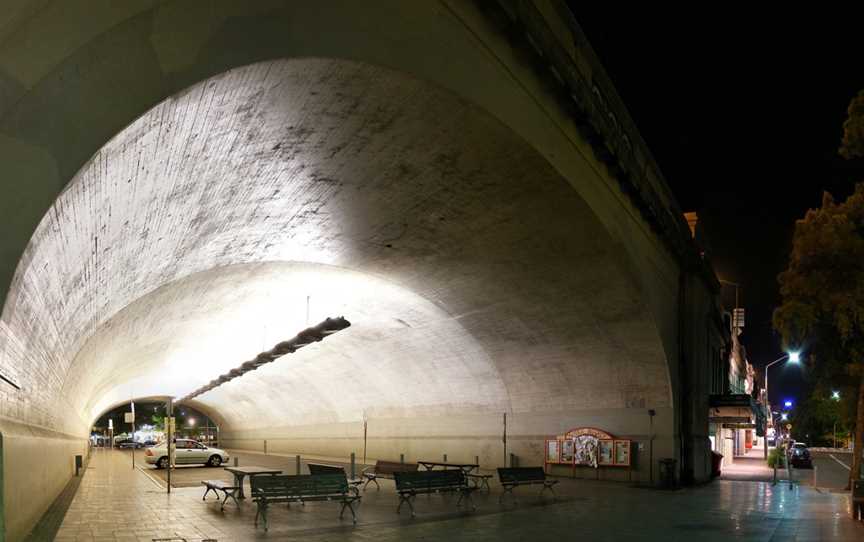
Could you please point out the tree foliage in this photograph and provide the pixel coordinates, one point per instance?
(853, 129)
(823, 287)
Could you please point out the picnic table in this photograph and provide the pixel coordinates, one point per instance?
(465, 467)
(471, 471)
(250, 471)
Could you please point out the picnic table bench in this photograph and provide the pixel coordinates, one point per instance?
(411, 484)
(385, 469)
(229, 489)
(513, 477)
(320, 468)
(267, 490)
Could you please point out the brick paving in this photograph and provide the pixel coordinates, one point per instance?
(115, 502)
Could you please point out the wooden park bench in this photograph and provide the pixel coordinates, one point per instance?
(320, 468)
(513, 477)
(267, 490)
(385, 469)
(411, 484)
(229, 489)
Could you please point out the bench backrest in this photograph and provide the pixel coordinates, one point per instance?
(521, 474)
(391, 467)
(429, 480)
(304, 485)
(317, 468)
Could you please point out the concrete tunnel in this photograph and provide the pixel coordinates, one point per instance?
(481, 276)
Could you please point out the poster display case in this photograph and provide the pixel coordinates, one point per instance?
(588, 447)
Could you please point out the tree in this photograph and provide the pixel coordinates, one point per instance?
(853, 129)
(822, 293)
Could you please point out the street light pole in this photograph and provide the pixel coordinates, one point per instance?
(794, 357)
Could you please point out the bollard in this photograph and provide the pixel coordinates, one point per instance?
(477, 460)
(298, 464)
(353, 467)
(265, 446)
(402, 458)
(445, 458)
(79, 462)
(236, 461)
(514, 462)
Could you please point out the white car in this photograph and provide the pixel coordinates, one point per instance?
(187, 452)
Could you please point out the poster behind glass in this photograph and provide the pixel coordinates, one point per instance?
(567, 451)
(553, 451)
(607, 452)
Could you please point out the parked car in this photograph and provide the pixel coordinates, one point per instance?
(187, 452)
(128, 443)
(799, 456)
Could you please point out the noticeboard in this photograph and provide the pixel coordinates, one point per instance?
(589, 447)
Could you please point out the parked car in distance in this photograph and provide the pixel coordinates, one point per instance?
(799, 456)
(187, 452)
(129, 443)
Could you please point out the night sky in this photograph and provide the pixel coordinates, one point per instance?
(743, 111)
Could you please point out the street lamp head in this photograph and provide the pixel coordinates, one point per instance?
(794, 357)
(787, 403)
(784, 417)
(191, 421)
(835, 395)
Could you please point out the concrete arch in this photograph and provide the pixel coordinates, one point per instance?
(481, 110)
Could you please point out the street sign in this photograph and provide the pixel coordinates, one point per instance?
(129, 417)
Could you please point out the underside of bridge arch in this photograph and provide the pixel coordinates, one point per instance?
(258, 202)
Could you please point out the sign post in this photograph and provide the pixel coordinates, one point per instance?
(129, 418)
(169, 430)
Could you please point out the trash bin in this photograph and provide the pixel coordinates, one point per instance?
(667, 472)
(716, 461)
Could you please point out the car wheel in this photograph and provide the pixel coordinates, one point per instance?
(215, 461)
(162, 463)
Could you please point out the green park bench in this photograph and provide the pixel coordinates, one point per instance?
(513, 477)
(267, 490)
(411, 484)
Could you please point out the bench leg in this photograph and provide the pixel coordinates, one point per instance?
(209, 489)
(405, 499)
(507, 489)
(369, 481)
(466, 496)
(262, 512)
(551, 489)
(230, 494)
(350, 505)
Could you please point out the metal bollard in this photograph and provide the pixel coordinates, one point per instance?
(445, 458)
(514, 462)
(265, 446)
(353, 466)
(298, 464)
(79, 463)
(477, 460)
(402, 458)
(236, 461)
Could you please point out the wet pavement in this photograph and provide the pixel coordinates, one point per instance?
(117, 502)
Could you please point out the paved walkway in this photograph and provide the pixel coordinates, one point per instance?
(115, 502)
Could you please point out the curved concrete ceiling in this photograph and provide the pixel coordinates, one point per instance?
(473, 274)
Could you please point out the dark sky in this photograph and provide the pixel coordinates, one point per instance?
(743, 110)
